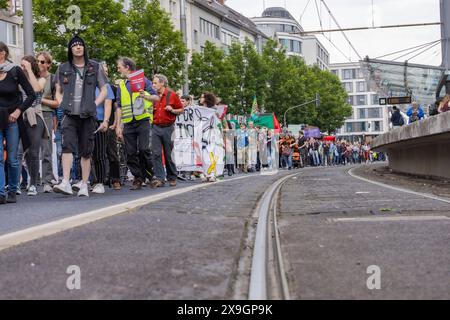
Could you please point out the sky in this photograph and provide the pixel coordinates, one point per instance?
(359, 13)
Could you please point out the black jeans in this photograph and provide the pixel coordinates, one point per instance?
(99, 155)
(113, 157)
(31, 151)
(162, 140)
(136, 135)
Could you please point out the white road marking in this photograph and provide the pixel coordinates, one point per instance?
(350, 172)
(389, 219)
(33, 233)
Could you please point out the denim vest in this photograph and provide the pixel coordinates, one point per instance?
(67, 79)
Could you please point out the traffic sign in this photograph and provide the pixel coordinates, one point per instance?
(394, 100)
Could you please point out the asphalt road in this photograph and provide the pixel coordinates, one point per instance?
(334, 227)
(184, 247)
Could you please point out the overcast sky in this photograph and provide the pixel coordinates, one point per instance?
(358, 13)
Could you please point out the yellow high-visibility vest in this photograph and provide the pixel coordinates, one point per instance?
(127, 109)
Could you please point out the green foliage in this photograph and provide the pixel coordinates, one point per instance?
(3, 4)
(103, 27)
(210, 71)
(158, 47)
(144, 33)
(278, 81)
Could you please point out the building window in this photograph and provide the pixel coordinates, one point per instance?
(292, 45)
(356, 127)
(361, 113)
(377, 126)
(209, 29)
(195, 36)
(361, 86)
(12, 34)
(361, 100)
(375, 100)
(348, 74)
(350, 100)
(374, 112)
(348, 86)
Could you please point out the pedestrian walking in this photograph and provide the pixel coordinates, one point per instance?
(76, 81)
(135, 110)
(164, 115)
(11, 107)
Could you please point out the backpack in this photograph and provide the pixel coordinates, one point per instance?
(401, 121)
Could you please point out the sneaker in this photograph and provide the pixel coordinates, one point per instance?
(12, 198)
(137, 185)
(83, 192)
(47, 188)
(64, 187)
(173, 183)
(32, 191)
(203, 177)
(212, 179)
(54, 182)
(99, 188)
(157, 183)
(182, 177)
(18, 192)
(2, 200)
(76, 187)
(117, 186)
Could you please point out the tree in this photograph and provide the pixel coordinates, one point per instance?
(249, 70)
(157, 47)
(278, 75)
(334, 107)
(103, 27)
(210, 71)
(3, 4)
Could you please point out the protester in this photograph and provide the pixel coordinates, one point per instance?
(33, 121)
(396, 118)
(444, 104)
(415, 112)
(112, 150)
(136, 108)
(49, 107)
(76, 81)
(164, 115)
(11, 108)
(99, 156)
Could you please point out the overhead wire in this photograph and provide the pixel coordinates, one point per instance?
(343, 33)
(423, 51)
(408, 53)
(399, 51)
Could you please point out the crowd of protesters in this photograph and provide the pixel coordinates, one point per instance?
(105, 131)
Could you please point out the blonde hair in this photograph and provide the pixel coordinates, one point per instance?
(47, 56)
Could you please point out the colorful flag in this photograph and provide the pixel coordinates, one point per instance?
(255, 109)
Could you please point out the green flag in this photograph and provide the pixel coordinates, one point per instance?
(255, 110)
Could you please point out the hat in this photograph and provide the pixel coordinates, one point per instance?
(76, 41)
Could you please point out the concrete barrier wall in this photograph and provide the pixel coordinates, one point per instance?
(420, 148)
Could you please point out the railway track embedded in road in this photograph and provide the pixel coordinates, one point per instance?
(268, 278)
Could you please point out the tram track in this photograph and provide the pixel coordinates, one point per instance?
(268, 277)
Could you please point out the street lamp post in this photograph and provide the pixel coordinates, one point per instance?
(183, 27)
(28, 38)
(316, 100)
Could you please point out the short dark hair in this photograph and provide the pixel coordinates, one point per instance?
(210, 99)
(186, 97)
(394, 107)
(34, 65)
(128, 63)
(4, 47)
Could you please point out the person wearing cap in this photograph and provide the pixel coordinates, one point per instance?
(76, 81)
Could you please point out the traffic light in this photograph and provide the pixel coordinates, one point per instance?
(317, 100)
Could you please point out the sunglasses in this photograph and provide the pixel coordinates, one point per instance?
(42, 61)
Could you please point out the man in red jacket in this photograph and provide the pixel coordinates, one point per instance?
(165, 112)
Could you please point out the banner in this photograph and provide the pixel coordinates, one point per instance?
(208, 132)
(186, 154)
(198, 141)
